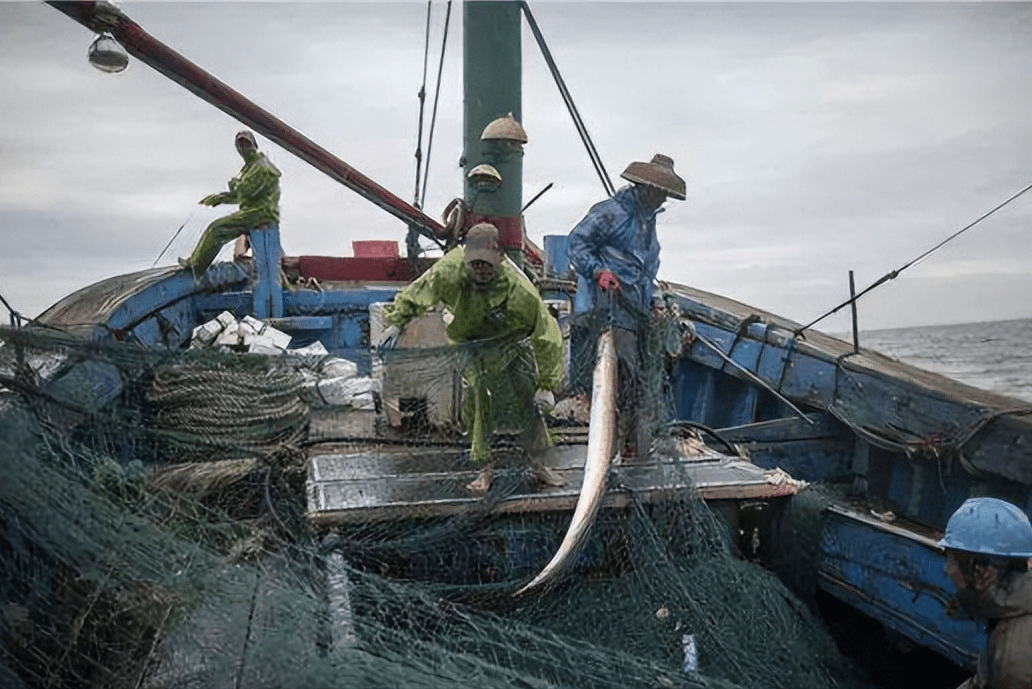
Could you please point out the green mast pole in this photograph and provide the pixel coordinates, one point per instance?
(492, 74)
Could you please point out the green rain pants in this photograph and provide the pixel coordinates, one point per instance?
(500, 387)
(223, 230)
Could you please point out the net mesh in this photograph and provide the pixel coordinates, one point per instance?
(153, 533)
(646, 344)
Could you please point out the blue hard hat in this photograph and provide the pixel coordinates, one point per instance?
(990, 527)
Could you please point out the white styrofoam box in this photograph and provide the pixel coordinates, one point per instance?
(358, 386)
(229, 337)
(226, 319)
(316, 349)
(205, 333)
(249, 337)
(279, 338)
(363, 402)
(253, 324)
(263, 346)
(341, 391)
(335, 367)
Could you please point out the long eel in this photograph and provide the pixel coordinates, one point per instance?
(596, 466)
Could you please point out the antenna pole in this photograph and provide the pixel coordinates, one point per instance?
(852, 303)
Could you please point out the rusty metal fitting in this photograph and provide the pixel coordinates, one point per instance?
(505, 129)
(485, 177)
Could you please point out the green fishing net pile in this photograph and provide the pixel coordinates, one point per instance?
(140, 548)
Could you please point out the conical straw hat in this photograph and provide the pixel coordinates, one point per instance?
(658, 173)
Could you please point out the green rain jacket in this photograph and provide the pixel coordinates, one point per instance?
(511, 305)
(256, 189)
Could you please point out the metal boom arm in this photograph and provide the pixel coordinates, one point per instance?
(100, 17)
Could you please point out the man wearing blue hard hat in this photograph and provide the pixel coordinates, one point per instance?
(988, 544)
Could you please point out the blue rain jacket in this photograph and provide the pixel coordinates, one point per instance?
(617, 236)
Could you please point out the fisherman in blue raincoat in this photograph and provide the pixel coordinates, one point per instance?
(615, 253)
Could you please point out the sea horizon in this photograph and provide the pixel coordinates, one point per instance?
(993, 355)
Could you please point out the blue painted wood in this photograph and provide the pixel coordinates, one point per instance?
(704, 354)
(789, 429)
(582, 298)
(809, 378)
(818, 460)
(137, 305)
(729, 403)
(315, 303)
(170, 327)
(683, 387)
(817, 450)
(291, 323)
(898, 579)
(147, 333)
(771, 368)
(918, 490)
(745, 353)
(744, 409)
(268, 290)
(744, 396)
(700, 409)
(557, 255)
(210, 305)
(870, 400)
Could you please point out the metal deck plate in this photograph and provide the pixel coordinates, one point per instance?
(382, 483)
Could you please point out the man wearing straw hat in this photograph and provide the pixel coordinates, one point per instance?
(615, 253)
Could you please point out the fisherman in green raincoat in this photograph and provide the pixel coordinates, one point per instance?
(256, 189)
(491, 302)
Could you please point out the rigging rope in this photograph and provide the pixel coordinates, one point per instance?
(174, 235)
(437, 97)
(422, 102)
(582, 130)
(892, 275)
(229, 406)
(16, 318)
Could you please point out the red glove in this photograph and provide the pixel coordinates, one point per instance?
(607, 281)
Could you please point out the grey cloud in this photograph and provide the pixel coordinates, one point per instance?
(816, 137)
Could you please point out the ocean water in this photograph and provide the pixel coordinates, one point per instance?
(996, 355)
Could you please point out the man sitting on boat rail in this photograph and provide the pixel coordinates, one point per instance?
(256, 189)
(615, 253)
(494, 303)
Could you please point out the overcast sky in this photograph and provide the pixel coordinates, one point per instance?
(816, 138)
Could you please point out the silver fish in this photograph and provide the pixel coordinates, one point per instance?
(596, 466)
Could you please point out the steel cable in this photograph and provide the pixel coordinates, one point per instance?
(582, 130)
(892, 275)
(422, 103)
(437, 97)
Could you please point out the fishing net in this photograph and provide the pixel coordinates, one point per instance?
(647, 343)
(155, 532)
